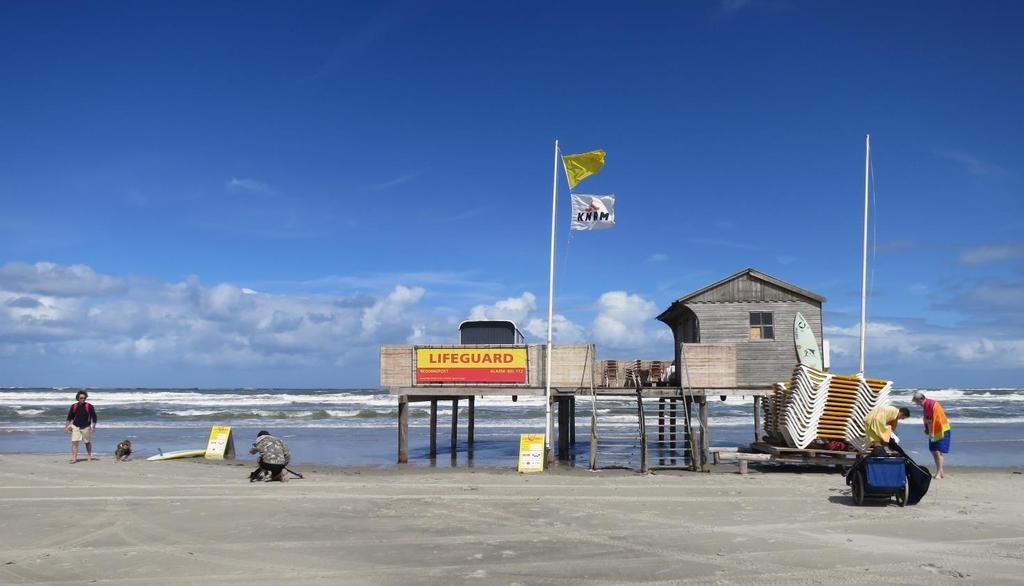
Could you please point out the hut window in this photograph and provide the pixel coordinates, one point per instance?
(762, 325)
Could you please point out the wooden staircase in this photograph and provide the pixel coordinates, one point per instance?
(670, 441)
(658, 435)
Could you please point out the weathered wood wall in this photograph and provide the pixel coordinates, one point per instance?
(572, 365)
(723, 319)
(396, 366)
(757, 362)
(709, 366)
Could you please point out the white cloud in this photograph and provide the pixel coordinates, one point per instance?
(991, 299)
(395, 182)
(563, 330)
(458, 281)
(970, 163)
(533, 323)
(58, 318)
(47, 278)
(391, 309)
(144, 346)
(624, 322)
(994, 253)
(224, 301)
(241, 185)
(657, 257)
(515, 309)
(189, 324)
(923, 346)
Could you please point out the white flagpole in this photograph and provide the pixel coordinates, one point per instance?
(548, 453)
(864, 263)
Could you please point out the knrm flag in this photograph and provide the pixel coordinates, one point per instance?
(593, 212)
(579, 167)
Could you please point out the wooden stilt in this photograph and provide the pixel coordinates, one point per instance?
(692, 439)
(433, 428)
(572, 421)
(757, 418)
(455, 427)
(593, 435)
(403, 429)
(705, 439)
(644, 466)
(563, 428)
(472, 421)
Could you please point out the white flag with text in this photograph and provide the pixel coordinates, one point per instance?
(593, 212)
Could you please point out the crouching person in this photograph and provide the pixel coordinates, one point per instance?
(274, 455)
(880, 426)
(123, 450)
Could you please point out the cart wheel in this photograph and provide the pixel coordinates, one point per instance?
(858, 489)
(903, 495)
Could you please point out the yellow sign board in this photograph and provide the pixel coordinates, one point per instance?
(471, 365)
(531, 452)
(221, 445)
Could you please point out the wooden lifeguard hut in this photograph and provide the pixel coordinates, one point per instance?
(737, 333)
(735, 337)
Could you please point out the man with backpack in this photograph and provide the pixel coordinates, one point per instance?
(81, 424)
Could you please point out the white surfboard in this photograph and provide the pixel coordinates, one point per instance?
(177, 454)
(807, 351)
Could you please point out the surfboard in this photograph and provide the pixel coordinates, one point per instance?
(807, 351)
(177, 454)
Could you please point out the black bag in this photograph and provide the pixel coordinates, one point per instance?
(918, 477)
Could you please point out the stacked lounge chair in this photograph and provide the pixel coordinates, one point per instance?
(843, 391)
(818, 405)
(872, 392)
(773, 411)
(807, 403)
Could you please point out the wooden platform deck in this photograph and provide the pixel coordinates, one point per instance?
(449, 391)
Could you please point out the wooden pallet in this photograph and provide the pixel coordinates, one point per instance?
(806, 456)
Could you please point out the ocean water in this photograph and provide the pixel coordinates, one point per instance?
(359, 427)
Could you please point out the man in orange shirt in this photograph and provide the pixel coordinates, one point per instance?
(936, 427)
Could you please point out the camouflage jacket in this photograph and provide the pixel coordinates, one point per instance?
(272, 450)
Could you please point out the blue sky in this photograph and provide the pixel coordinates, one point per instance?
(260, 194)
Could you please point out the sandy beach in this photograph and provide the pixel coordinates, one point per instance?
(186, 522)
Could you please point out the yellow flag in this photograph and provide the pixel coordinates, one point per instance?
(579, 167)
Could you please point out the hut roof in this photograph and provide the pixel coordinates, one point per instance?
(754, 273)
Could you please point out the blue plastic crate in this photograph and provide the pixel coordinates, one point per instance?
(885, 473)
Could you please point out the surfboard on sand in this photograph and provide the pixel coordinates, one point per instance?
(177, 454)
(807, 351)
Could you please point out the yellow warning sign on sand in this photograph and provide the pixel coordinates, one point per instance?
(531, 452)
(221, 445)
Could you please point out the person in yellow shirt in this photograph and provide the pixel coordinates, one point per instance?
(881, 422)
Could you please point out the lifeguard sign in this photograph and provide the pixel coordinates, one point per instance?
(221, 445)
(480, 364)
